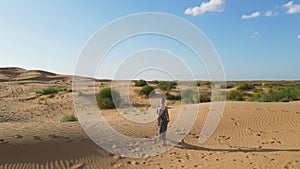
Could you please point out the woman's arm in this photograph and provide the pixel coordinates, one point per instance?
(167, 113)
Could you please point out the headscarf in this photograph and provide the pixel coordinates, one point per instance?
(162, 107)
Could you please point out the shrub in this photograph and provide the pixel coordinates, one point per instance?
(190, 96)
(226, 86)
(108, 98)
(68, 118)
(49, 90)
(204, 98)
(245, 86)
(257, 90)
(146, 90)
(172, 97)
(219, 95)
(198, 83)
(204, 83)
(52, 90)
(236, 95)
(101, 85)
(207, 83)
(290, 93)
(278, 95)
(66, 90)
(167, 86)
(154, 82)
(286, 99)
(140, 83)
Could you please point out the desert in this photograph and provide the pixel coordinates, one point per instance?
(251, 134)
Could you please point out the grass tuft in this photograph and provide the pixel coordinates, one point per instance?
(49, 90)
(68, 118)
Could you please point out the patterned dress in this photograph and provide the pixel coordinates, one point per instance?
(162, 122)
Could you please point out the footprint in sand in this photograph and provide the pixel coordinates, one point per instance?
(133, 163)
(3, 141)
(78, 166)
(18, 136)
(68, 139)
(236, 121)
(116, 157)
(37, 138)
(117, 165)
(53, 136)
(82, 138)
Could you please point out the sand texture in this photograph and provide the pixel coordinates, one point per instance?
(251, 135)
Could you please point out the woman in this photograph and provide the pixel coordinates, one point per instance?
(162, 121)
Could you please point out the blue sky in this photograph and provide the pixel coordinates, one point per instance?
(255, 39)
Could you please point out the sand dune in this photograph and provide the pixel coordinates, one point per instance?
(250, 135)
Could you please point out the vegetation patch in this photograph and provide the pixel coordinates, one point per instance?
(146, 90)
(236, 95)
(172, 97)
(108, 99)
(190, 96)
(245, 86)
(204, 97)
(166, 85)
(154, 82)
(68, 118)
(49, 90)
(66, 90)
(52, 90)
(140, 83)
(102, 85)
(277, 95)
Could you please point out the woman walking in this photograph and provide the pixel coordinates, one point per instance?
(162, 121)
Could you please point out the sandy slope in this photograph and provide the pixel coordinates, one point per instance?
(250, 135)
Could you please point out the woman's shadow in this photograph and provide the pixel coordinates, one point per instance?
(185, 145)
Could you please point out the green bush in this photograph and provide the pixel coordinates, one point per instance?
(66, 90)
(140, 83)
(226, 86)
(190, 96)
(257, 90)
(108, 98)
(154, 82)
(49, 90)
(236, 95)
(245, 86)
(277, 95)
(286, 99)
(101, 85)
(68, 118)
(52, 90)
(172, 97)
(146, 90)
(229, 86)
(204, 83)
(204, 98)
(167, 86)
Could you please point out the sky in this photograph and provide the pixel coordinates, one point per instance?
(255, 39)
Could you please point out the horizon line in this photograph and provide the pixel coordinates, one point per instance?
(159, 79)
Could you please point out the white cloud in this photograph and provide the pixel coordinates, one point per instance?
(298, 36)
(269, 13)
(254, 34)
(292, 8)
(253, 15)
(210, 6)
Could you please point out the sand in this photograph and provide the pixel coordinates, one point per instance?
(250, 134)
